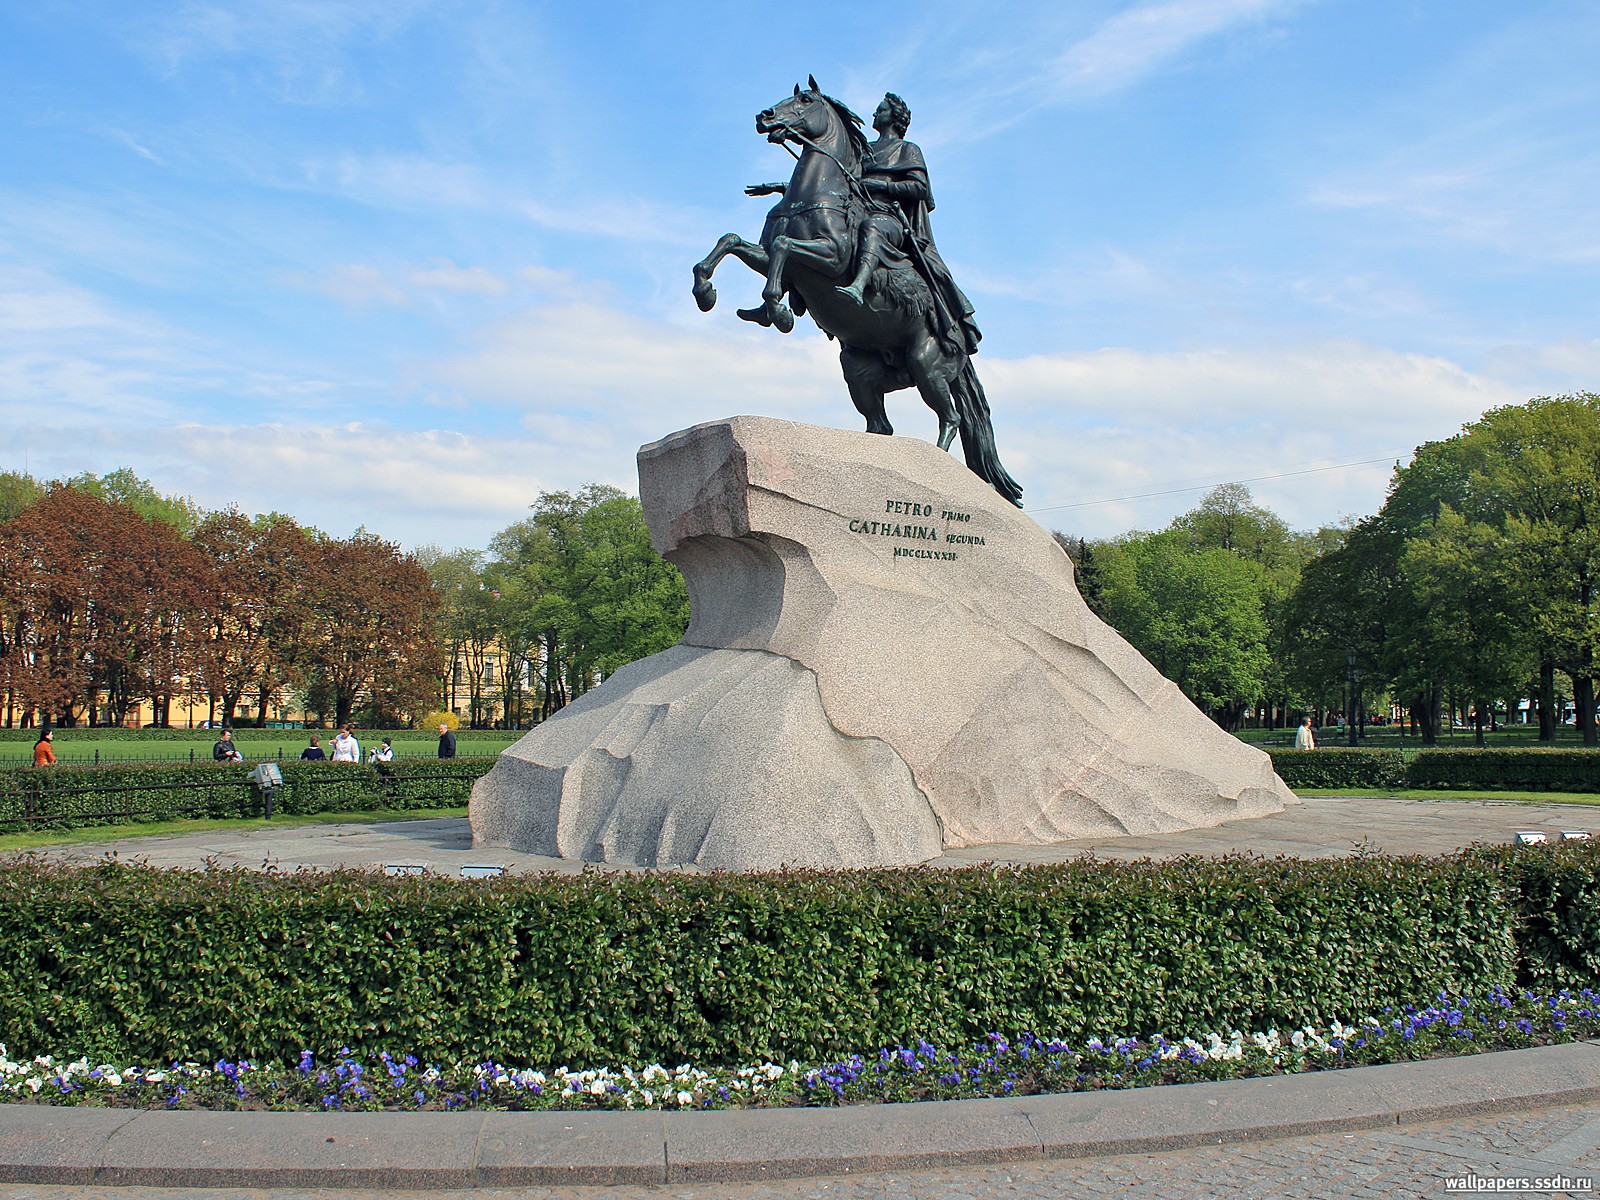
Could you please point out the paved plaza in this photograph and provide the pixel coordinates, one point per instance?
(1315, 828)
(1399, 1163)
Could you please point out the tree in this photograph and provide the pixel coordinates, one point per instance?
(122, 486)
(598, 595)
(371, 624)
(17, 492)
(1197, 616)
(96, 602)
(255, 607)
(1459, 577)
(1531, 472)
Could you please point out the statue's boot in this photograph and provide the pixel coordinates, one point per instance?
(759, 315)
(856, 291)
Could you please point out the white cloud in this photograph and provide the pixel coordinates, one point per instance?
(1135, 43)
(300, 44)
(445, 276)
(356, 283)
(362, 283)
(1090, 428)
(620, 371)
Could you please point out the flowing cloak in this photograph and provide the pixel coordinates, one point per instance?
(901, 166)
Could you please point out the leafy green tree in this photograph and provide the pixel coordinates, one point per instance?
(1196, 615)
(17, 492)
(122, 486)
(1464, 589)
(597, 594)
(1531, 472)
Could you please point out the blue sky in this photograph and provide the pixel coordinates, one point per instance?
(405, 264)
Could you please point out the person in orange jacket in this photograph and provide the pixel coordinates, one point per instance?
(43, 755)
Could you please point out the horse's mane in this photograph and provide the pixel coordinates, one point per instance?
(852, 125)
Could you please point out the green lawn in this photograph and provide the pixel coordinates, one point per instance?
(1420, 794)
(253, 744)
(1389, 737)
(112, 833)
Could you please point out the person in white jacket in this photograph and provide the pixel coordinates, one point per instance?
(1304, 739)
(345, 746)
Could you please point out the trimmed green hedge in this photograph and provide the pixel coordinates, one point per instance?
(71, 797)
(1334, 768)
(120, 961)
(1540, 770)
(1506, 770)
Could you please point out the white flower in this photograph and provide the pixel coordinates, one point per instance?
(685, 1099)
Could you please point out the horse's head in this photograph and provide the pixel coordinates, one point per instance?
(812, 118)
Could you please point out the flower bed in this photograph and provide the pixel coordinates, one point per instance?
(996, 1066)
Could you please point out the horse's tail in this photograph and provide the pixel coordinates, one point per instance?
(977, 434)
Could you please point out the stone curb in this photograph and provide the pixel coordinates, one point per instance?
(49, 1145)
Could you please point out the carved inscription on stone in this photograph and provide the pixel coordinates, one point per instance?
(927, 525)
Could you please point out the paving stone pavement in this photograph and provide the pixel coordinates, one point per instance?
(1321, 827)
(1408, 1161)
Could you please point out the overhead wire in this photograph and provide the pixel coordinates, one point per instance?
(1203, 487)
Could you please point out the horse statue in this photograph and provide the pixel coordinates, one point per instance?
(896, 332)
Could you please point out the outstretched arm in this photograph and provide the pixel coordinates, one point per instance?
(766, 189)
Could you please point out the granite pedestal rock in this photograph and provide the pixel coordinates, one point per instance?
(884, 659)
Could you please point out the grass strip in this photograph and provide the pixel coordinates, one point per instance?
(1587, 798)
(95, 834)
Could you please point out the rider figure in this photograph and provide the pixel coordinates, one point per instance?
(896, 176)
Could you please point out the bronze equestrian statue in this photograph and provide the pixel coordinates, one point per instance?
(850, 245)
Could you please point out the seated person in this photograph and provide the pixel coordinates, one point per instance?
(225, 750)
(314, 752)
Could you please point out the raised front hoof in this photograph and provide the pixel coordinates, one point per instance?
(757, 315)
(705, 294)
(855, 293)
(782, 318)
(947, 434)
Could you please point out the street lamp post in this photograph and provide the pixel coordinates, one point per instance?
(1350, 701)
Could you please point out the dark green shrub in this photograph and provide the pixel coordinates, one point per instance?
(125, 961)
(1554, 895)
(1337, 767)
(1540, 770)
(70, 797)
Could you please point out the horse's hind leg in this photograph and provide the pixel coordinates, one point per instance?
(865, 376)
(932, 370)
(753, 256)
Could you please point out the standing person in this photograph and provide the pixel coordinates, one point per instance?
(384, 753)
(447, 741)
(1304, 739)
(43, 754)
(314, 752)
(345, 746)
(225, 750)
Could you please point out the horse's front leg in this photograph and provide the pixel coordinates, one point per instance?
(824, 254)
(753, 256)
